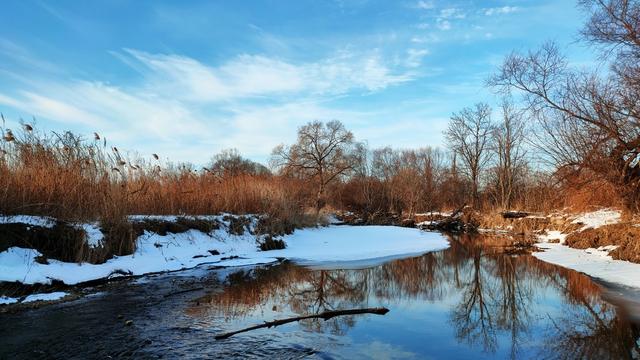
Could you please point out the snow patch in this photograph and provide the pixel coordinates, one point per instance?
(94, 236)
(45, 297)
(593, 262)
(5, 300)
(435, 213)
(356, 243)
(42, 221)
(552, 236)
(598, 218)
(333, 219)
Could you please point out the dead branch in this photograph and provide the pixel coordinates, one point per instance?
(324, 315)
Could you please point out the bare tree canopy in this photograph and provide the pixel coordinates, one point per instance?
(507, 141)
(322, 153)
(590, 121)
(229, 162)
(468, 135)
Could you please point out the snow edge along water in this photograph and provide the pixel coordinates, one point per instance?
(345, 245)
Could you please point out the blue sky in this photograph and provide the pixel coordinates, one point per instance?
(187, 79)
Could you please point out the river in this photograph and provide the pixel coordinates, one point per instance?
(477, 299)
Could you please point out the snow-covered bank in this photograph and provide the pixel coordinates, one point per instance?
(53, 296)
(45, 297)
(598, 219)
(346, 244)
(593, 262)
(156, 253)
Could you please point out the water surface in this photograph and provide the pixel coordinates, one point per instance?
(476, 299)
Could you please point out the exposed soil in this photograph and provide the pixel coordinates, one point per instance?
(61, 241)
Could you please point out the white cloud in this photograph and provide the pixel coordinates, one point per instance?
(443, 21)
(414, 57)
(452, 13)
(188, 110)
(256, 130)
(255, 75)
(424, 4)
(44, 106)
(500, 10)
(429, 38)
(443, 24)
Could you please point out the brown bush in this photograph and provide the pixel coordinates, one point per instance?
(586, 191)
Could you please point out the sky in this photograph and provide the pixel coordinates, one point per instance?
(186, 79)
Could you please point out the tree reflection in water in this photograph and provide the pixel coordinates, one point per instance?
(493, 293)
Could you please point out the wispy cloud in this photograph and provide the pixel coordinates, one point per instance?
(245, 102)
(257, 75)
(424, 4)
(414, 57)
(446, 16)
(452, 13)
(500, 10)
(443, 24)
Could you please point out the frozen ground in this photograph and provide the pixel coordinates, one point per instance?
(598, 218)
(593, 262)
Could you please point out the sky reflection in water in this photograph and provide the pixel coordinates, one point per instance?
(470, 301)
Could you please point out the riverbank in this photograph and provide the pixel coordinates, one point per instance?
(39, 273)
(603, 244)
(225, 241)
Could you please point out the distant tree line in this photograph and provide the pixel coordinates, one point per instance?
(579, 127)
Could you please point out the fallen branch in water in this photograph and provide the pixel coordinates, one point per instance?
(325, 315)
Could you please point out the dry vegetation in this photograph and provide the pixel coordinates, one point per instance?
(73, 179)
(624, 235)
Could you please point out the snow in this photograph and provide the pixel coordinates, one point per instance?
(45, 297)
(333, 219)
(156, 253)
(435, 213)
(426, 223)
(598, 218)
(94, 236)
(42, 221)
(552, 235)
(593, 262)
(356, 243)
(5, 300)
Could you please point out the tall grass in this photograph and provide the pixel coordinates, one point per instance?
(77, 179)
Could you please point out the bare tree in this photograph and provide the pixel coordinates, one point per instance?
(591, 122)
(468, 136)
(508, 140)
(322, 153)
(229, 162)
